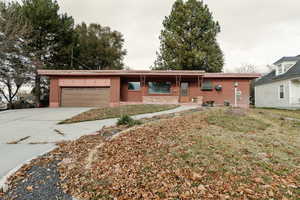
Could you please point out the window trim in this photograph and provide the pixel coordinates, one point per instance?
(158, 93)
(284, 67)
(207, 89)
(280, 69)
(281, 92)
(134, 89)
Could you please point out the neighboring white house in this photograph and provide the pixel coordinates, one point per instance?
(281, 87)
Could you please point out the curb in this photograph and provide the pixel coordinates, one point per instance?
(3, 180)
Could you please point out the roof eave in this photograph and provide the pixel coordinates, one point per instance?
(145, 73)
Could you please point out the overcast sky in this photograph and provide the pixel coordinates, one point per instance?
(253, 31)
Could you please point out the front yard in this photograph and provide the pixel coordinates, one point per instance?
(211, 154)
(115, 112)
(214, 154)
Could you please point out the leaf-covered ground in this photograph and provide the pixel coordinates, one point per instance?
(116, 112)
(214, 154)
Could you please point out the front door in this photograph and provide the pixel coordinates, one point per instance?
(184, 92)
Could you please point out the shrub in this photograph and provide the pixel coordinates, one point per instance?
(22, 105)
(128, 121)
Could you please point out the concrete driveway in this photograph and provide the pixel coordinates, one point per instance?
(39, 126)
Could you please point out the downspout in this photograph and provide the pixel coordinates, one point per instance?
(235, 97)
(236, 84)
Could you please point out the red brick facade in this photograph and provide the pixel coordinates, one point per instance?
(227, 93)
(232, 84)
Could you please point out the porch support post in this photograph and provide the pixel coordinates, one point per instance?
(178, 82)
(290, 92)
(143, 83)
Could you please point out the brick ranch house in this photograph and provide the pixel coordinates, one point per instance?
(96, 88)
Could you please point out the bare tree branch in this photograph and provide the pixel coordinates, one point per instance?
(246, 68)
(15, 67)
(4, 95)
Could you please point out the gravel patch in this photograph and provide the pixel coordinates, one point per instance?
(41, 182)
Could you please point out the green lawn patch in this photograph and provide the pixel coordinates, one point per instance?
(117, 112)
(236, 122)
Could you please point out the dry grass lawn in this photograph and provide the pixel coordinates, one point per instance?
(214, 154)
(116, 112)
(282, 113)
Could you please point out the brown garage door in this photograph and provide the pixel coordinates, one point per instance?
(85, 97)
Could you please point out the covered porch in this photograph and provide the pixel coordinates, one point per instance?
(295, 92)
(165, 88)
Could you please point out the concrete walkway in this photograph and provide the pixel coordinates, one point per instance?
(40, 125)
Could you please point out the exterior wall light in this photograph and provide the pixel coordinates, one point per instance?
(236, 84)
(218, 88)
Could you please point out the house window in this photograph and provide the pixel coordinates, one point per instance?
(280, 71)
(159, 87)
(207, 85)
(281, 92)
(134, 86)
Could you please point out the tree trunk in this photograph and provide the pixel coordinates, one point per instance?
(10, 105)
(37, 90)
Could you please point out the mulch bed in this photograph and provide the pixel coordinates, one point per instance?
(38, 180)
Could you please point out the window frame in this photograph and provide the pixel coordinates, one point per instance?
(281, 92)
(207, 89)
(159, 93)
(280, 69)
(134, 89)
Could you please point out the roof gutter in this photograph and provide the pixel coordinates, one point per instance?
(145, 73)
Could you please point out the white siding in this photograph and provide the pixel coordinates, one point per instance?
(295, 92)
(268, 95)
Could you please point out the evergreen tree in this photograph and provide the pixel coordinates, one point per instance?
(98, 47)
(188, 40)
(52, 36)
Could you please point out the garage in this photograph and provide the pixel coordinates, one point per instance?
(85, 97)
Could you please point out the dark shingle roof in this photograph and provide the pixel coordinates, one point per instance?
(287, 59)
(293, 72)
(266, 79)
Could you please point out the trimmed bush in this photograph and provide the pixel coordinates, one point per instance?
(128, 121)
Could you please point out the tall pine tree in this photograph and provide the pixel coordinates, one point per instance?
(188, 40)
(52, 36)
